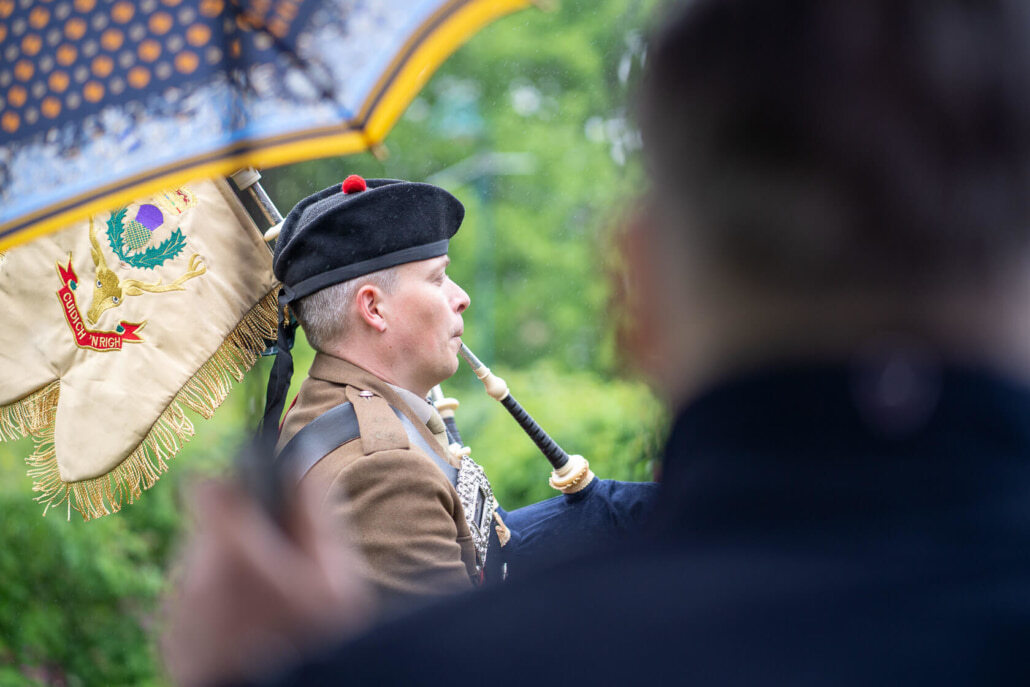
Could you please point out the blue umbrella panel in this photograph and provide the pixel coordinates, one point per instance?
(103, 101)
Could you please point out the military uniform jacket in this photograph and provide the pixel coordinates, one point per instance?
(387, 495)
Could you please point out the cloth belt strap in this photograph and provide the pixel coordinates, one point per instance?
(333, 429)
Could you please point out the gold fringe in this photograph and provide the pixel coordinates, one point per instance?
(203, 393)
(31, 415)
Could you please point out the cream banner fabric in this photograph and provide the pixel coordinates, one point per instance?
(112, 327)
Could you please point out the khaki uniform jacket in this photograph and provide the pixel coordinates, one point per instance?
(387, 495)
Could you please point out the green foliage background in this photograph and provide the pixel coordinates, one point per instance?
(80, 602)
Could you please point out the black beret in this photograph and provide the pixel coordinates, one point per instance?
(332, 236)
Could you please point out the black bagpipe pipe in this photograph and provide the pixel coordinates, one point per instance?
(570, 472)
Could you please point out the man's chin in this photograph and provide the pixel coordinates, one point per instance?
(455, 363)
(445, 372)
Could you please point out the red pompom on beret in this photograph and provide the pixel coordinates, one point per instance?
(353, 184)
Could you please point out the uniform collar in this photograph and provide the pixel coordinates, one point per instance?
(330, 368)
(418, 404)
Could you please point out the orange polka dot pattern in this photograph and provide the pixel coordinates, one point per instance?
(62, 60)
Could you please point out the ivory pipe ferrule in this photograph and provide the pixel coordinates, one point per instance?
(574, 476)
(444, 405)
(495, 386)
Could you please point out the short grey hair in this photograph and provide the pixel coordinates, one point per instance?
(325, 315)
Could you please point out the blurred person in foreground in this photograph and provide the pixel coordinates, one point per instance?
(830, 276)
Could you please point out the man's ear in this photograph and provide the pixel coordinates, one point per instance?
(369, 299)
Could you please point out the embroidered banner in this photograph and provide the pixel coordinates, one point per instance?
(113, 327)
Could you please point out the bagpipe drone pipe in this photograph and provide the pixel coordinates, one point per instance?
(589, 513)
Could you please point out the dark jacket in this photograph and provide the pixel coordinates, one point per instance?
(816, 526)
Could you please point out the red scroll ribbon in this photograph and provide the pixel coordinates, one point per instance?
(87, 338)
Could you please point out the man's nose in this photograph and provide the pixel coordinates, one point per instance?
(462, 299)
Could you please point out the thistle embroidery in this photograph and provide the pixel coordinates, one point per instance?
(138, 234)
(110, 291)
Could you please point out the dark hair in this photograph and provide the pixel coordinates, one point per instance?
(823, 142)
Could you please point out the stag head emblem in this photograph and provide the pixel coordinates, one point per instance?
(110, 292)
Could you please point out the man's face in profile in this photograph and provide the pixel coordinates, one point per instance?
(424, 315)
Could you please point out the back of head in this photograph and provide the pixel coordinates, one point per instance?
(825, 144)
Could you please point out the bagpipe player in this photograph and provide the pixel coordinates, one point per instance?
(363, 266)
